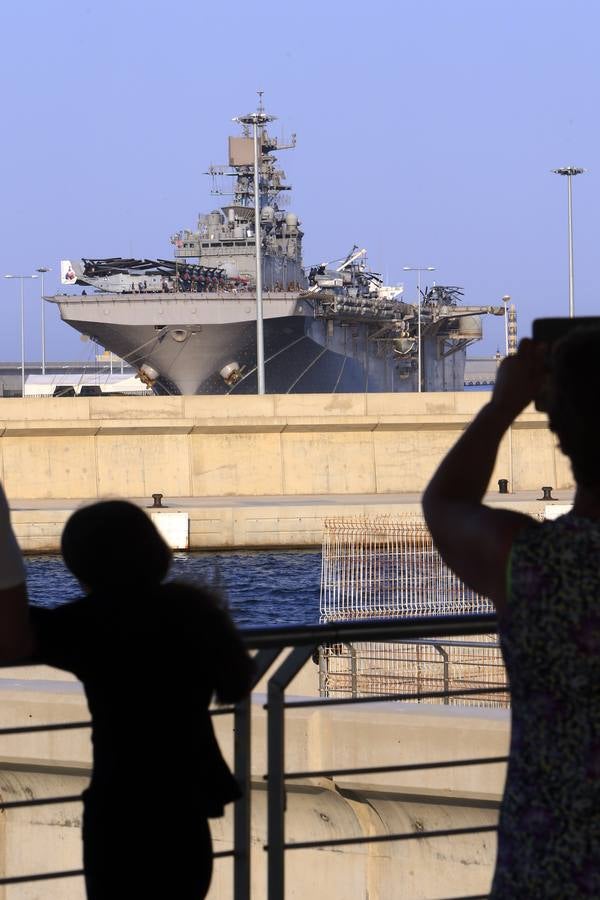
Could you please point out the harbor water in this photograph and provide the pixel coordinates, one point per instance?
(262, 588)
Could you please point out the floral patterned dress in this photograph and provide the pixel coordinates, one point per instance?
(549, 831)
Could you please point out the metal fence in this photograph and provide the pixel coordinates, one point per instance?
(388, 566)
(283, 652)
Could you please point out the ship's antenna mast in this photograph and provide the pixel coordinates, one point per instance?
(258, 120)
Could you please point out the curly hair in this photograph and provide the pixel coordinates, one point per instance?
(573, 394)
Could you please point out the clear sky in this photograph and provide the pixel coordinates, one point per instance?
(426, 132)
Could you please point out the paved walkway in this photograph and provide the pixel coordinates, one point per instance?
(255, 522)
(283, 500)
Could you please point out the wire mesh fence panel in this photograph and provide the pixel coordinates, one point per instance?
(388, 567)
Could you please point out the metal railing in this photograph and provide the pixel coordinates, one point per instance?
(376, 668)
(282, 652)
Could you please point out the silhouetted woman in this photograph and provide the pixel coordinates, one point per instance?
(150, 656)
(544, 579)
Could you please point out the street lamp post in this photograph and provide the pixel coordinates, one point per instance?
(42, 270)
(418, 270)
(22, 279)
(506, 301)
(570, 171)
(258, 120)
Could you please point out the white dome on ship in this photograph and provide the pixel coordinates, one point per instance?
(267, 214)
(291, 219)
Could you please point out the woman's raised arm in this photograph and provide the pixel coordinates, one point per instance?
(473, 539)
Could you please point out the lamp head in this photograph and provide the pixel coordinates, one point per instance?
(568, 170)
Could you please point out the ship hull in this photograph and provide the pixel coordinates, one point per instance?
(188, 340)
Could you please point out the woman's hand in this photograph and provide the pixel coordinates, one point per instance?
(520, 378)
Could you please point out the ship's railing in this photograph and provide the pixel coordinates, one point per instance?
(280, 655)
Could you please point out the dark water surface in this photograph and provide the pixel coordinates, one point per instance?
(263, 588)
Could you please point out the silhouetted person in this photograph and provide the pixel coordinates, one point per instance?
(15, 630)
(150, 656)
(544, 579)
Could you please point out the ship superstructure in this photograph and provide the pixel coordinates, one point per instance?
(225, 237)
(188, 325)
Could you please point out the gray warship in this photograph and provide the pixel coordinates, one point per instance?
(188, 324)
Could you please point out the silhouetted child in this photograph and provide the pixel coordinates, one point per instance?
(150, 656)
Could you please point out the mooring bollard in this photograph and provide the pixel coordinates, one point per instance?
(503, 485)
(157, 501)
(546, 493)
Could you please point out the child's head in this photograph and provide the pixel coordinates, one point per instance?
(113, 543)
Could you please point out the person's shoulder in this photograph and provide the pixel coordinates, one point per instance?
(62, 619)
(64, 612)
(532, 529)
(202, 610)
(61, 632)
(540, 532)
(553, 543)
(192, 600)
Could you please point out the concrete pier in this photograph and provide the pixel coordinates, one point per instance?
(267, 522)
(252, 471)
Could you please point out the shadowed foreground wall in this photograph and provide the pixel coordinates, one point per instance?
(47, 838)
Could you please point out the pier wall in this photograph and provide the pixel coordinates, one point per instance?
(251, 471)
(252, 446)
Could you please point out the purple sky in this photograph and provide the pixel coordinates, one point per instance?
(426, 133)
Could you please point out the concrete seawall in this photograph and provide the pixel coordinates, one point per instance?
(250, 471)
(51, 764)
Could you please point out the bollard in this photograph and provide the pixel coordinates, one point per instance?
(157, 501)
(546, 493)
(503, 485)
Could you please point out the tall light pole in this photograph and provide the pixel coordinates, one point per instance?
(22, 279)
(42, 270)
(506, 301)
(258, 120)
(570, 171)
(418, 270)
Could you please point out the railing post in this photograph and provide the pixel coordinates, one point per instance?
(323, 672)
(443, 653)
(276, 762)
(241, 813)
(242, 748)
(353, 670)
